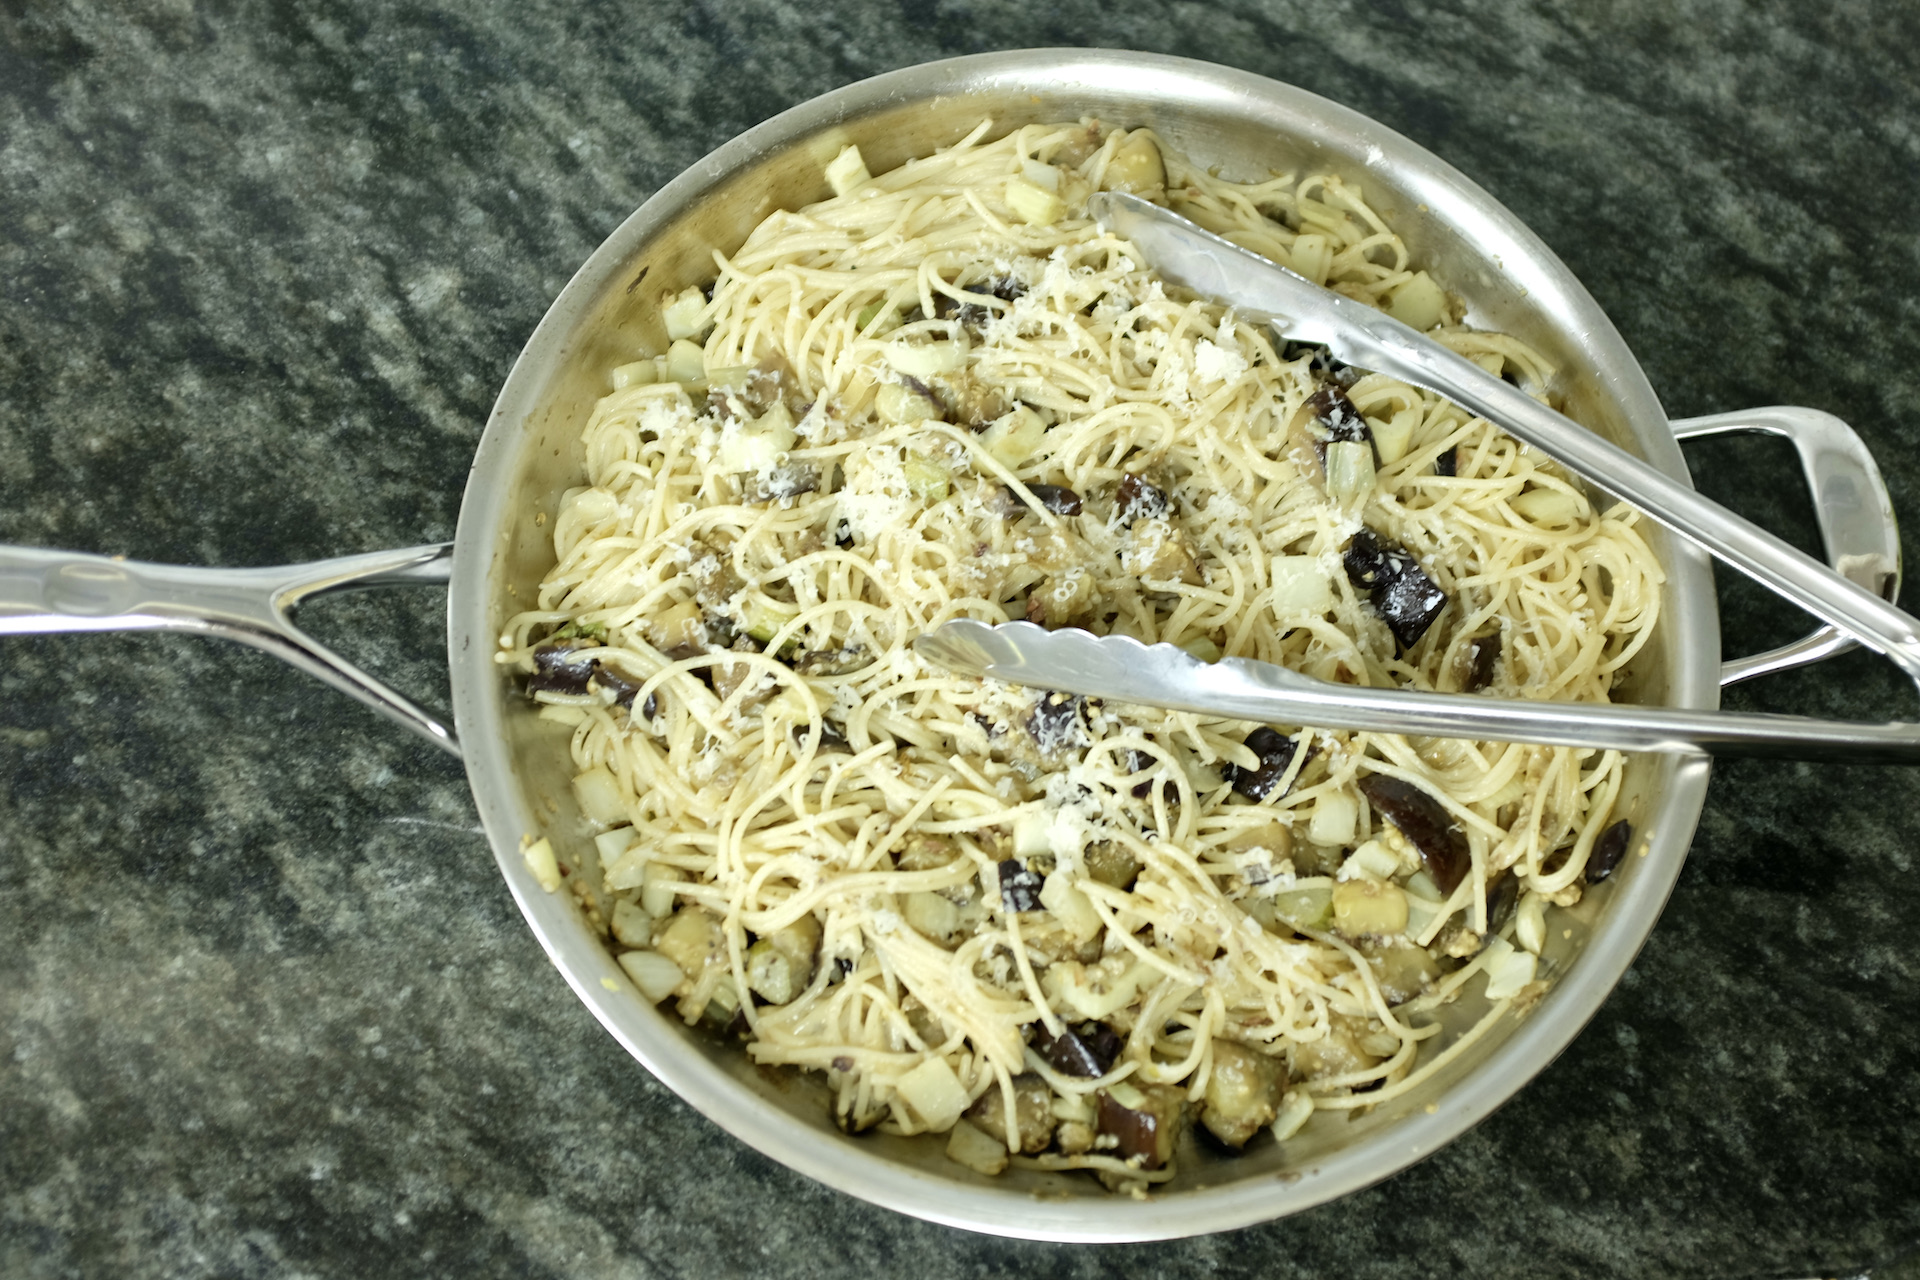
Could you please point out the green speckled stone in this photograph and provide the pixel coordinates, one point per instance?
(265, 1007)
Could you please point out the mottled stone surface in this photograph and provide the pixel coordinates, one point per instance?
(265, 1008)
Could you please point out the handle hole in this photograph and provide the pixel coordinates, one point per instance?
(1759, 477)
(398, 637)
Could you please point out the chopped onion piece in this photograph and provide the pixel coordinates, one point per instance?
(1549, 507)
(1391, 436)
(1070, 907)
(1312, 257)
(848, 171)
(1301, 585)
(599, 795)
(1350, 474)
(637, 374)
(653, 973)
(1041, 174)
(1530, 923)
(1014, 438)
(1034, 204)
(686, 363)
(656, 889)
(1334, 816)
(934, 1092)
(926, 360)
(1418, 303)
(1295, 1109)
(539, 858)
(1508, 969)
(968, 1146)
(685, 316)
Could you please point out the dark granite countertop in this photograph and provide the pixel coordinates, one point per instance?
(265, 1006)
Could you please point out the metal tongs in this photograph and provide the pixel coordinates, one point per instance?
(1123, 669)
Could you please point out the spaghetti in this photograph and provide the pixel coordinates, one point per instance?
(1049, 927)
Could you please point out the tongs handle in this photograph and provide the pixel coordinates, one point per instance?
(1122, 669)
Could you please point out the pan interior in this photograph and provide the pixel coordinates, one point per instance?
(608, 315)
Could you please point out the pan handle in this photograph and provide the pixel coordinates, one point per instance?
(49, 592)
(1850, 501)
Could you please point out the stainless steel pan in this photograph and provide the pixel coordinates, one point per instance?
(518, 765)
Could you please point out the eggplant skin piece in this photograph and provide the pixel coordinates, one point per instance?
(1608, 850)
(564, 669)
(1483, 660)
(1059, 722)
(1020, 886)
(831, 738)
(1086, 1051)
(1337, 415)
(1424, 821)
(1276, 751)
(1399, 588)
(1139, 499)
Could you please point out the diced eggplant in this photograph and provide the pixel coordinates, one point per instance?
(694, 939)
(728, 677)
(1403, 969)
(1020, 886)
(1276, 751)
(1338, 1052)
(1243, 1092)
(968, 401)
(1141, 1123)
(1111, 864)
(1086, 1050)
(831, 738)
(1399, 588)
(1608, 850)
(928, 1027)
(680, 627)
(970, 315)
(832, 662)
(1448, 462)
(780, 965)
(776, 484)
(714, 581)
(1159, 550)
(1059, 722)
(1032, 1113)
(1425, 822)
(1007, 289)
(1137, 498)
(1483, 660)
(923, 851)
(908, 400)
(1137, 167)
(1059, 499)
